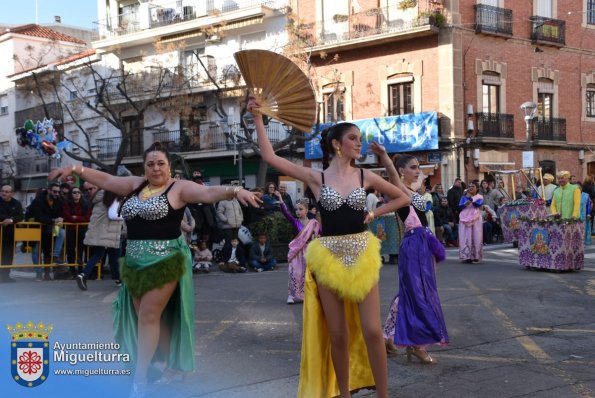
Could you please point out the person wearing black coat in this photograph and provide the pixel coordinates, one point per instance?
(454, 195)
(47, 209)
(233, 259)
(445, 219)
(11, 211)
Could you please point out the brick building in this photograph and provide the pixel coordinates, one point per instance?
(473, 62)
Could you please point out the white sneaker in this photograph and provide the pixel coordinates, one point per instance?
(259, 270)
(290, 300)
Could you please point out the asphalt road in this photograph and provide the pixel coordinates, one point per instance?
(513, 333)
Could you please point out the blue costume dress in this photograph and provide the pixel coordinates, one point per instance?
(156, 253)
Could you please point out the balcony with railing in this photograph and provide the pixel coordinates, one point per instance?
(34, 164)
(493, 20)
(373, 24)
(207, 137)
(550, 129)
(146, 84)
(108, 148)
(495, 125)
(38, 113)
(548, 30)
(159, 13)
(213, 136)
(165, 83)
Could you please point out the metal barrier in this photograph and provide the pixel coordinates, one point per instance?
(31, 232)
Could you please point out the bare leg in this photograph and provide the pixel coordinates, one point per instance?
(334, 313)
(149, 312)
(369, 314)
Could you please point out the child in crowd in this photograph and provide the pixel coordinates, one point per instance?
(261, 255)
(234, 259)
(306, 231)
(202, 259)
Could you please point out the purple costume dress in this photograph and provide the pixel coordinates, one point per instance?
(415, 316)
(296, 268)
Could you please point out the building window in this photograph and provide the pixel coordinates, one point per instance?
(334, 106)
(5, 149)
(194, 71)
(545, 105)
(490, 93)
(3, 104)
(544, 8)
(400, 98)
(72, 95)
(590, 100)
(73, 136)
(591, 12)
(545, 98)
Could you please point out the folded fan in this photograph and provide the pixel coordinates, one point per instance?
(282, 89)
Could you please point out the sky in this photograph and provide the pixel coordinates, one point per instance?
(81, 13)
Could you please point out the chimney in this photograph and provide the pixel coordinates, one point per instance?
(57, 19)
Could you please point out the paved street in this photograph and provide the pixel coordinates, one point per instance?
(513, 333)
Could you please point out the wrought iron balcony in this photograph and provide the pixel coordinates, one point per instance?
(495, 125)
(342, 28)
(35, 164)
(38, 113)
(212, 136)
(108, 148)
(547, 30)
(182, 79)
(494, 20)
(158, 13)
(553, 129)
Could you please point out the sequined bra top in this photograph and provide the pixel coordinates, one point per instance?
(342, 216)
(418, 204)
(153, 218)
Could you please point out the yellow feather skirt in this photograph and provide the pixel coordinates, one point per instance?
(317, 374)
(353, 281)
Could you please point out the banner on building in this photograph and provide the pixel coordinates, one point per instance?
(403, 133)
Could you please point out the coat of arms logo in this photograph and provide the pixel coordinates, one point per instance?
(29, 353)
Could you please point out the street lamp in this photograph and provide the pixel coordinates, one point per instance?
(529, 108)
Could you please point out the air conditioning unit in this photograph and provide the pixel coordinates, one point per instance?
(370, 158)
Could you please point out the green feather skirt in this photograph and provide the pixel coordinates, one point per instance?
(148, 265)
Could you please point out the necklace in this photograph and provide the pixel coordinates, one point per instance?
(147, 192)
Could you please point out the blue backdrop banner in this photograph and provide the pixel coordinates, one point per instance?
(403, 133)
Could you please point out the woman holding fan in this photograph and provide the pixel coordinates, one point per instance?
(342, 328)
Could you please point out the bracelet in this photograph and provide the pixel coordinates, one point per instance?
(73, 171)
(233, 193)
(371, 214)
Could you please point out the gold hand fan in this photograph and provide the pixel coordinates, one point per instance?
(281, 88)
